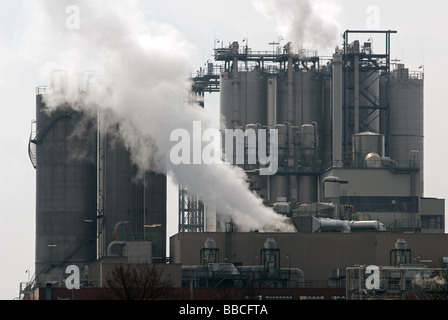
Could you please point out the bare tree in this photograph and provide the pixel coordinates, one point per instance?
(437, 288)
(138, 282)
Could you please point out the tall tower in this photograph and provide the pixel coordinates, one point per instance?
(65, 145)
(90, 203)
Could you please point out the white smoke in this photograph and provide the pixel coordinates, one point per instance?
(306, 23)
(143, 67)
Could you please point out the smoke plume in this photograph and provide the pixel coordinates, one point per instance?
(307, 23)
(143, 67)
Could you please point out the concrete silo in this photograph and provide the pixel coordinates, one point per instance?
(65, 190)
(91, 201)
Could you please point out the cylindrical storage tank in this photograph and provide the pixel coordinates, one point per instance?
(251, 145)
(406, 145)
(134, 203)
(307, 189)
(308, 136)
(365, 143)
(65, 190)
(308, 145)
(243, 99)
(279, 187)
(282, 131)
(305, 92)
(282, 97)
(295, 136)
(253, 97)
(210, 243)
(373, 160)
(307, 98)
(227, 99)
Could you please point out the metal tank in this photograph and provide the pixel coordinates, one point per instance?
(372, 160)
(302, 89)
(253, 97)
(279, 187)
(227, 99)
(65, 190)
(325, 138)
(406, 143)
(365, 143)
(243, 98)
(134, 204)
(307, 186)
(308, 88)
(282, 131)
(308, 145)
(283, 97)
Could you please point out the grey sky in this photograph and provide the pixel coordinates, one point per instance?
(420, 40)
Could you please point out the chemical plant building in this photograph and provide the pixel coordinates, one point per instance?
(350, 179)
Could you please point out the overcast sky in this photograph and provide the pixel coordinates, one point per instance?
(24, 58)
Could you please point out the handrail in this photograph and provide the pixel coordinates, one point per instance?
(32, 145)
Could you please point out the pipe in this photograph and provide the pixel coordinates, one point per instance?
(290, 91)
(283, 271)
(297, 271)
(367, 225)
(250, 269)
(345, 226)
(356, 93)
(337, 104)
(326, 224)
(114, 243)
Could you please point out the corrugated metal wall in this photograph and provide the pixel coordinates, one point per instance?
(315, 254)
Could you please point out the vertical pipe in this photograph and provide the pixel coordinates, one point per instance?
(337, 97)
(100, 186)
(272, 101)
(290, 118)
(236, 109)
(356, 93)
(387, 133)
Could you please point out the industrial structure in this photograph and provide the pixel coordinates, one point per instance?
(90, 203)
(350, 130)
(350, 179)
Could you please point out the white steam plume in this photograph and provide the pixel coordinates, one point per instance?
(307, 23)
(143, 68)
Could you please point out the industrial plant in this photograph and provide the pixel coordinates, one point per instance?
(349, 180)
